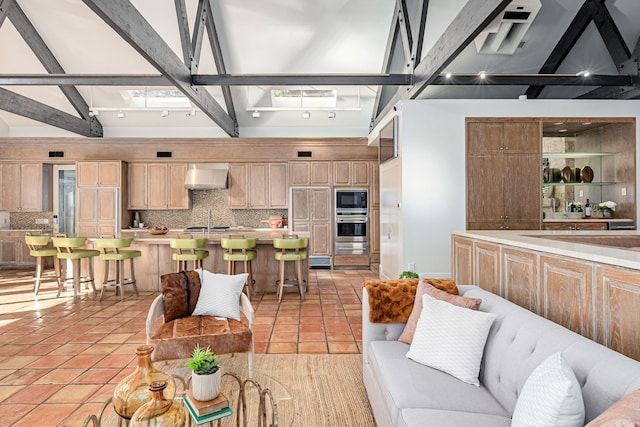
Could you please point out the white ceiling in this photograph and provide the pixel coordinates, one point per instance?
(278, 37)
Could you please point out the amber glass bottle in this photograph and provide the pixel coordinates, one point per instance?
(159, 411)
(133, 391)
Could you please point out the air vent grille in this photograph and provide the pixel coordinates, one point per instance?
(56, 154)
(305, 154)
(164, 154)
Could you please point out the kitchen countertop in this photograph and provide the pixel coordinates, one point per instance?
(592, 219)
(264, 235)
(533, 240)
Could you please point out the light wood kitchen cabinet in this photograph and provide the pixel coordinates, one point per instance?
(137, 183)
(374, 182)
(22, 187)
(99, 173)
(486, 262)
(258, 185)
(596, 300)
(567, 293)
(13, 250)
(309, 172)
(157, 186)
(97, 211)
(504, 175)
(617, 302)
(520, 278)
(462, 260)
(351, 173)
(374, 234)
(101, 202)
(312, 212)
(591, 225)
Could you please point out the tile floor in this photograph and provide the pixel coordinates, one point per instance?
(60, 358)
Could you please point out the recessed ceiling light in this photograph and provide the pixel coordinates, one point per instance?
(256, 114)
(448, 75)
(482, 74)
(121, 114)
(583, 73)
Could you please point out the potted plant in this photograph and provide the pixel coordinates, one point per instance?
(607, 208)
(409, 275)
(205, 377)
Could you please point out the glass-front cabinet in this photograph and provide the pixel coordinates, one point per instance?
(585, 159)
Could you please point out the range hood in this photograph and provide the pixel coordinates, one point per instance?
(206, 176)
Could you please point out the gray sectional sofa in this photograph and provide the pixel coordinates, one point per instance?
(404, 393)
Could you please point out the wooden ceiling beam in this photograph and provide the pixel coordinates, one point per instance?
(564, 46)
(40, 49)
(609, 31)
(183, 29)
(35, 110)
(127, 21)
(218, 58)
(472, 19)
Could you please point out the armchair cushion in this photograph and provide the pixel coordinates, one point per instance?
(177, 338)
(180, 292)
(219, 294)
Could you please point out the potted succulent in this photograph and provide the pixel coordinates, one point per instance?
(205, 377)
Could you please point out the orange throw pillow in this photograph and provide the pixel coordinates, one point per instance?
(425, 287)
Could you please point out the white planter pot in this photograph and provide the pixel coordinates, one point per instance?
(205, 387)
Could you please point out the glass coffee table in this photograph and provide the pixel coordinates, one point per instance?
(256, 400)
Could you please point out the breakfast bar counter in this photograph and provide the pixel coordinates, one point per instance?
(156, 256)
(587, 281)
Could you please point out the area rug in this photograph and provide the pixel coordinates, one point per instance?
(326, 390)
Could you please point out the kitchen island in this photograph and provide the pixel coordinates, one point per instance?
(587, 281)
(156, 256)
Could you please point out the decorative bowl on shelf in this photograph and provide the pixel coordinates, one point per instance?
(158, 230)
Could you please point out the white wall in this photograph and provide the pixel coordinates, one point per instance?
(432, 145)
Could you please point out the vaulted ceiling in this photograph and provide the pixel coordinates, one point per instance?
(253, 67)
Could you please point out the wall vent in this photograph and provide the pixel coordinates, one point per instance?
(504, 35)
(304, 154)
(164, 154)
(56, 154)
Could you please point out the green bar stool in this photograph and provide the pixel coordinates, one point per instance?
(70, 248)
(39, 249)
(239, 249)
(112, 251)
(291, 248)
(187, 249)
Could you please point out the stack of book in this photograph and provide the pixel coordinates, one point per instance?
(204, 412)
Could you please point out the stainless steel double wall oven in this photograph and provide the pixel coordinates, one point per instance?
(351, 221)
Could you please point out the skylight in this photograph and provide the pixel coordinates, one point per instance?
(305, 98)
(156, 98)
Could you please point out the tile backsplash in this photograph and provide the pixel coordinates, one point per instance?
(202, 201)
(221, 215)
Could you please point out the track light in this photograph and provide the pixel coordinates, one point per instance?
(121, 114)
(583, 73)
(256, 114)
(306, 115)
(190, 113)
(448, 75)
(331, 115)
(164, 113)
(482, 74)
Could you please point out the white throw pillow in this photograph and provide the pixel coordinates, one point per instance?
(451, 339)
(551, 396)
(220, 294)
